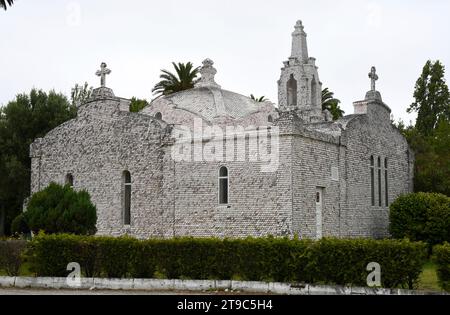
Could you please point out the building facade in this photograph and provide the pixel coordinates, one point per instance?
(210, 162)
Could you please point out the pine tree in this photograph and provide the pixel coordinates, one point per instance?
(432, 98)
(22, 120)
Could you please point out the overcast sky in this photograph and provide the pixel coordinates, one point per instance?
(53, 44)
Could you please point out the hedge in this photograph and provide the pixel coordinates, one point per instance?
(11, 256)
(329, 261)
(345, 261)
(441, 256)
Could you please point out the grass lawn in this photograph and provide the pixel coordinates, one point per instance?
(428, 279)
(24, 271)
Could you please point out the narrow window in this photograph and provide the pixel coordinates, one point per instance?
(247, 147)
(269, 142)
(223, 186)
(69, 180)
(270, 119)
(127, 198)
(386, 182)
(292, 91)
(158, 116)
(372, 179)
(380, 201)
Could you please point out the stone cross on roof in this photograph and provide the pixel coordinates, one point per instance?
(102, 74)
(374, 78)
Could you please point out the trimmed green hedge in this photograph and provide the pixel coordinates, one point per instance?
(441, 256)
(329, 261)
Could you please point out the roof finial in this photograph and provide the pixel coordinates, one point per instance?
(299, 26)
(299, 45)
(208, 73)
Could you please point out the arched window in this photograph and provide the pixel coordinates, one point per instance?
(380, 201)
(126, 198)
(223, 185)
(158, 116)
(386, 181)
(69, 180)
(292, 91)
(372, 179)
(270, 119)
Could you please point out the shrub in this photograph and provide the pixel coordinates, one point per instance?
(329, 261)
(421, 217)
(19, 226)
(59, 209)
(11, 256)
(441, 256)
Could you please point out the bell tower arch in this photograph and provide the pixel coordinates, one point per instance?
(299, 87)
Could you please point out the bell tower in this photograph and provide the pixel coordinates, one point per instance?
(299, 88)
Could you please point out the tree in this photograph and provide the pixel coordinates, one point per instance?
(331, 104)
(60, 209)
(184, 79)
(430, 137)
(4, 3)
(28, 117)
(432, 98)
(261, 99)
(432, 158)
(137, 105)
(80, 94)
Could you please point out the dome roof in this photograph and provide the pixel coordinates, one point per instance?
(212, 102)
(209, 101)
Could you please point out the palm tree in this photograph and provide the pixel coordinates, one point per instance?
(258, 100)
(4, 3)
(330, 103)
(184, 79)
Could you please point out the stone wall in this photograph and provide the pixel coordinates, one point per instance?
(96, 148)
(369, 135)
(311, 157)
